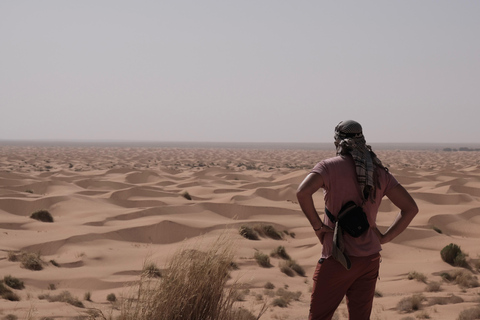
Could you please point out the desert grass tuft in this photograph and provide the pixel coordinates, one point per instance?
(262, 259)
(433, 286)
(463, 278)
(248, 232)
(410, 304)
(280, 252)
(151, 270)
(452, 299)
(414, 275)
(7, 294)
(469, 314)
(42, 215)
(192, 286)
(111, 297)
(267, 230)
(187, 195)
(64, 296)
(452, 254)
(28, 260)
(290, 267)
(13, 282)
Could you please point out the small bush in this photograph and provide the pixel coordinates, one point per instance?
(12, 256)
(269, 285)
(54, 263)
(262, 259)
(87, 296)
(469, 314)
(290, 266)
(280, 252)
(414, 275)
(437, 230)
(64, 296)
(52, 286)
(42, 215)
(8, 294)
(10, 317)
(151, 270)
(463, 278)
(269, 231)
(248, 232)
(112, 297)
(378, 294)
(280, 302)
(288, 296)
(410, 304)
(445, 300)
(31, 261)
(186, 195)
(452, 254)
(13, 283)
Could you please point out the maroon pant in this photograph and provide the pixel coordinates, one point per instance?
(331, 282)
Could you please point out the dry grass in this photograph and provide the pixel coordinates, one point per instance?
(29, 260)
(414, 275)
(64, 296)
(42, 215)
(469, 314)
(262, 259)
(193, 286)
(410, 304)
(433, 286)
(463, 278)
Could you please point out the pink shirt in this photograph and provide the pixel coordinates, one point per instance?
(340, 186)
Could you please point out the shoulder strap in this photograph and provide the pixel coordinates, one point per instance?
(330, 215)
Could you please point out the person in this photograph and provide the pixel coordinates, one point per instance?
(354, 174)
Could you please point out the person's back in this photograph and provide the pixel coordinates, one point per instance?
(357, 175)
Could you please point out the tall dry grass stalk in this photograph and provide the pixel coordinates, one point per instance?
(192, 287)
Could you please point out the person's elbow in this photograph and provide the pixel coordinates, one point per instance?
(303, 193)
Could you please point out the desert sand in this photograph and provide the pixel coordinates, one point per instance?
(115, 207)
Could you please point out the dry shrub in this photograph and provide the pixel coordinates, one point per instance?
(64, 296)
(280, 252)
(463, 278)
(151, 270)
(7, 294)
(42, 215)
(13, 282)
(414, 275)
(248, 232)
(445, 300)
(469, 314)
(410, 304)
(29, 260)
(266, 230)
(192, 287)
(290, 267)
(452, 254)
(262, 259)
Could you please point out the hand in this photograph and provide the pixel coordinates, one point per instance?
(322, 231)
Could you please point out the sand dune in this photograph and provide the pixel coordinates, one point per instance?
(115, 207)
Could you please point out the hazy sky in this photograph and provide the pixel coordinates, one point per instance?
(246, 71)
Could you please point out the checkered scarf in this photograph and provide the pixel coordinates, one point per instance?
(349, 139)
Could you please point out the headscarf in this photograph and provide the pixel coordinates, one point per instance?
(349, 139)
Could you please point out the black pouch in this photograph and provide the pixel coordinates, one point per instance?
(352, 219)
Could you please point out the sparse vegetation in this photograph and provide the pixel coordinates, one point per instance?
(54, 263)
(151, 270)
(269, 231)
(87, 296)
(469, 314)
(186, 195)
(111, 297)
(436, 229)
(13, 282)
(414, 275)
(29, 260)
(463, 278)
(452, 299)
(52, 286)
(410, 304)
(269, 286)
(192, 286)
(248, 232)
(280, 252)
(290, 267)
(7, 294)
(10, 317)
(42, 215)
(262, 259)
(285, 297)
(452, 254)
(64, 296)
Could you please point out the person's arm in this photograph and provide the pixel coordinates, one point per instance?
(305, 192)
(408, 210)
